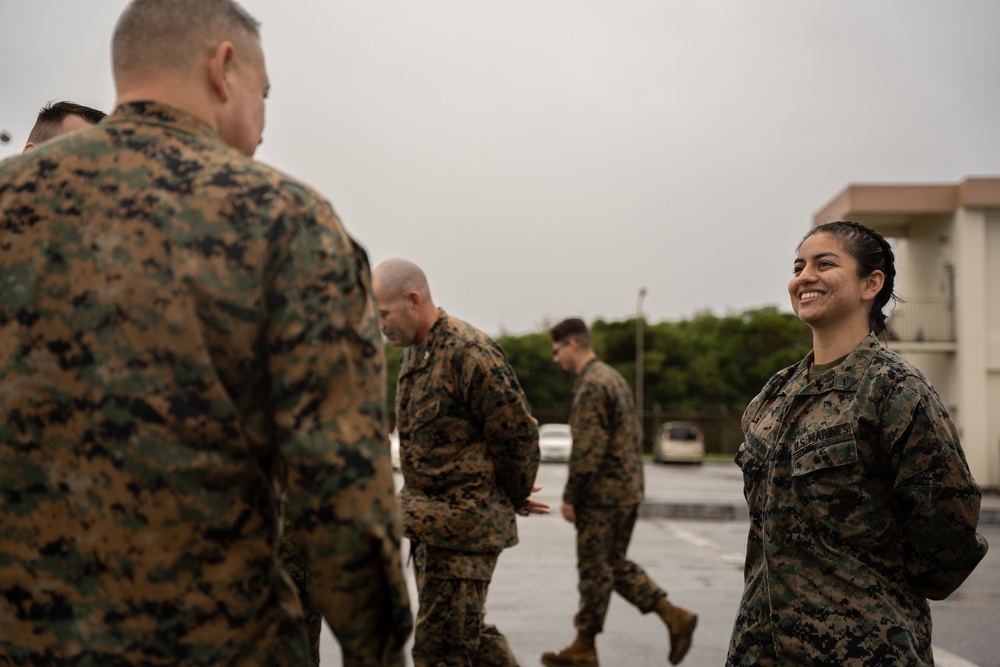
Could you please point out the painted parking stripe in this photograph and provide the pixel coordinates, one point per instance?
(728, 555)
(942, 658)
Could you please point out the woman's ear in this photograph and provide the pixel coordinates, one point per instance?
(873, 284)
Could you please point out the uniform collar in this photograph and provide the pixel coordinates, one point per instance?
(419, 354)
(587, 367)
(164, 115)
(847, 375)
(590, 364)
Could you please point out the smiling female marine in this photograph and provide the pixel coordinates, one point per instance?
(861, 502)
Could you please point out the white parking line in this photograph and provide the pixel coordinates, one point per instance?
(726, 554)
(942, 658)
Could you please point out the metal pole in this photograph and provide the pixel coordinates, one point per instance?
(639, 362)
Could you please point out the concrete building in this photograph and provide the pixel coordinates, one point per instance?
(947, 244)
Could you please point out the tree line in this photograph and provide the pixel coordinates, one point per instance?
(704, 369)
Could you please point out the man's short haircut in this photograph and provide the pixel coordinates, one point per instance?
(572, 327)
(399, 276)
(52, 115)
(174, 34)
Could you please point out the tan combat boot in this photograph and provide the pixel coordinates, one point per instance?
(581, 653)
(680, 624)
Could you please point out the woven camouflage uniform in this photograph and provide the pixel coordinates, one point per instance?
(605, 487)
(453, 587)
(469, 455)
(862, 507)
(184, 332)
(292, 556)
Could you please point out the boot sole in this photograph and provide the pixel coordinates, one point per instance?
(682, 640)
(550, 663)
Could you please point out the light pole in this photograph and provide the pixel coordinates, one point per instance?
(638, 357)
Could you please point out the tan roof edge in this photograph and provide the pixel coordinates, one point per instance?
(858, 199)
(979, 192)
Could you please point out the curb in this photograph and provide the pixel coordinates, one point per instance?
(716, 511)
(990, 515)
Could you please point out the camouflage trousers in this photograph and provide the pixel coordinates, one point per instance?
(602, 538)
(293, 560)
(450, 632)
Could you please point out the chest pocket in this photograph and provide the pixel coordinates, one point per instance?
(425, 413)
(829, 478)
(751, 459)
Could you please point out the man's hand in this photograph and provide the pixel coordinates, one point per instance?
(532, 506)
(568, 512)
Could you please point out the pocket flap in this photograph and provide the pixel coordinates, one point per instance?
(839, 450)
(747, 460)
(426, 412)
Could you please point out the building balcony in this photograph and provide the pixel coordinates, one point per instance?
(923, 320)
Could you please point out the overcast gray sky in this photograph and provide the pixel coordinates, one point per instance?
(547, 158)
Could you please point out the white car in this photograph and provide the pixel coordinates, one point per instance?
(555, 441)
(680, 442)
(394, 448)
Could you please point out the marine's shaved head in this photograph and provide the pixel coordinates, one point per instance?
(399, 276)
(175, 34)
(405, 307)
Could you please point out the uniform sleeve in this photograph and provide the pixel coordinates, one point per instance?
(589, 422)
(511, 434)
(940, 500)
(326, 368)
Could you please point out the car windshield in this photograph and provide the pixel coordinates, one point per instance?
(683, 433)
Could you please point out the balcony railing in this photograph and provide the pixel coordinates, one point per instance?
(919, 319)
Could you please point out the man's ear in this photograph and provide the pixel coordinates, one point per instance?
(28, 146)
(413, 299)
(218, 66)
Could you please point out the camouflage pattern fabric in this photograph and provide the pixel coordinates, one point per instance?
(453, 587)
(862, 507)
(602, 538)
(292, 556)
(468, 445)
(605, 466)
(183, 333)
(605, 487)
(469, 456)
